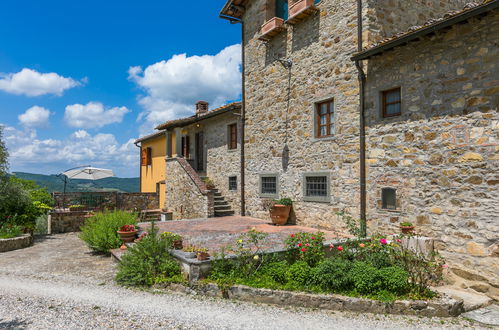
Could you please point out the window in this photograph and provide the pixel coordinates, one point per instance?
(391, 103)
(388, 198)
(325, 119)
(281, 9)
(232, 136)
(316, 187)
(232, 183)
(268, 185)
(146, 156)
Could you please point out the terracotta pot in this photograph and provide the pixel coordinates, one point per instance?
(127, 236)
(203, 256)
(272, 24)
(299, 6)
(280, 214)
(407, 229)
(177, 244)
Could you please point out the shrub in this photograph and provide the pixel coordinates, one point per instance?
(306, 246)
(394, 280)
(99, 231)
(277, 271)
(366, 279)
(148, 262)
(8, 230)
(299, 272)
(333, 275)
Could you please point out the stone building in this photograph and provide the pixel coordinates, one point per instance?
(302, 98)
(203, 163)
(432, 100)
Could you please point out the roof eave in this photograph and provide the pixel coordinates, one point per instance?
(425, 31)
(228, 12)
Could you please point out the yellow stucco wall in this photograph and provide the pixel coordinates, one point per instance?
(152, 174)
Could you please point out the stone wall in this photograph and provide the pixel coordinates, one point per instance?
(386, 18)
(441, 155)
(108, 200)
(186, 195)
(66, 222)
(16, 243)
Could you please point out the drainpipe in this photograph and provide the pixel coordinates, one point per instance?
(140, 166)
(234, 20)
(362, 126)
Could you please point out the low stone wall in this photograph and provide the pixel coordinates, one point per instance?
(66, 222)
(109, 200)
(15, 243)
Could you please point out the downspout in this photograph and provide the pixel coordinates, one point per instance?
(362, 127)
(234, 20)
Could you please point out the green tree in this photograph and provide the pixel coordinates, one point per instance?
(4, 165)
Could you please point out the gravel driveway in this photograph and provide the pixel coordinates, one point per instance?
(58, 284)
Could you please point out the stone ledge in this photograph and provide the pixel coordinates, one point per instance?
(21, 242)
(444, 306)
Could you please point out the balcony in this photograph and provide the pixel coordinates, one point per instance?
(271, 28)
(299, 10)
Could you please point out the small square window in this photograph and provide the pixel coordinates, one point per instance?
(391, 103)
(316, 187)
(232, 183)
(324, 116)
(269, 185)
(388, 198)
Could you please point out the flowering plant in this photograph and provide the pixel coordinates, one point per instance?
(306, 246)
(127, 228)
(171, 236)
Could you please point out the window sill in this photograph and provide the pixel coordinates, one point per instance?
(324, 200)
(326, 138)
(268, 196)
(390, 210)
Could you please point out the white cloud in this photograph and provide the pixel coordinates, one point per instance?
(173, 86)
(93, 115)
(30, 154)
(33, 83)
(35, 117)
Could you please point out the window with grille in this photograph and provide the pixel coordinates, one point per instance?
(269, 185)
(325, 119)
(391, 103)
(232, 136)
(389, 198)
(232, 183)
(316, 187)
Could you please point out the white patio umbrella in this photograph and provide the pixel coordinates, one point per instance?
(85, 173)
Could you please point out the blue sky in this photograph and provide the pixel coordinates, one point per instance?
(80, 79)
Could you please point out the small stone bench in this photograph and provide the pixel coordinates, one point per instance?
(21, 242)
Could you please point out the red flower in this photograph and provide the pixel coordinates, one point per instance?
(331, 246)
(303, 250)
(299, 244)
(398, 240)
(340, 248)
(292, 235)
(313, 237)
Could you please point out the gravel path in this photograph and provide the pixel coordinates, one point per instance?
(71, 289)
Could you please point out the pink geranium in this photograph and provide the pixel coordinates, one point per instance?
(383, 241)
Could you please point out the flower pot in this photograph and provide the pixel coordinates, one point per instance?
(127, 236)
(271, 27)
(407, 229)
(280, 214)
(203, 256)
(299, 6)
(177, 244)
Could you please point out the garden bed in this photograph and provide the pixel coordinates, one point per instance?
(20, 242)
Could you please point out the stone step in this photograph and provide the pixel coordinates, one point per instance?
(224, 213)
(219, 198)
(222, 208)
(221, 202)
(217, 194)
(472, 300)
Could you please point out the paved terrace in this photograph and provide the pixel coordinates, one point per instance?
(214, 233)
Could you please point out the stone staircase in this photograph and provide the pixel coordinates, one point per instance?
(222, 207)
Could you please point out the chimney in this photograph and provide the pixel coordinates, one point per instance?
(201, 107)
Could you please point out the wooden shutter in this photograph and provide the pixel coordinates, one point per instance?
(143, 157)
(149, 156)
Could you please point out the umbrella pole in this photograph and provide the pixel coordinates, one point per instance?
(64, 194)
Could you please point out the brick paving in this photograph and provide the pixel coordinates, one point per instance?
(214, 233)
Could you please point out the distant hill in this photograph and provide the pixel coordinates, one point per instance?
(54, 183)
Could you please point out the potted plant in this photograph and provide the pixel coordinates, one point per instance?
(190, 251)
(175, 240)
(279, 211)
(406, 227)
(202, 254)
(76, 208)
(127, 234)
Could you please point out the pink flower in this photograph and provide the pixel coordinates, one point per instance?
(313, 237)
(340, 248)
(445, 266)
(300, 245)
(398, 240)
(362, 245)
(383, 241)
(307, 245)
(303, 250)
(331, 246)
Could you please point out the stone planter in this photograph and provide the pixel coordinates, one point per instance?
(271, 28)
(177, 244)
(300, 9)
(203, 256)
(407, 229)
(280, 214)
(127, 236)
(21, 242)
